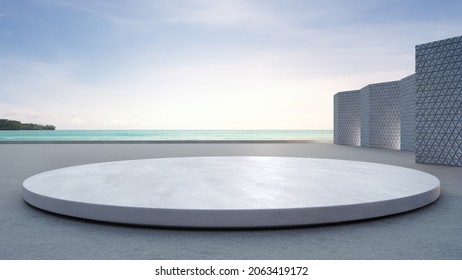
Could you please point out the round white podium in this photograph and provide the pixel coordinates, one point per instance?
(231, 192)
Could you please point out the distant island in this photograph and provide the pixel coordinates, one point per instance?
(16, 125)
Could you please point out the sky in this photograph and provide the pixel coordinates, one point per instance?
(204, 64)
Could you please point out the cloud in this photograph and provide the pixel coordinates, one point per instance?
(78, 121)
(210, 64)
(143, 15)
(220, 13)
(28, 114)
(273, 89)
(122, 16)
(27, 80)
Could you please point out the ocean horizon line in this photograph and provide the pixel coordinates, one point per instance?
(164, 135)
(219, 129)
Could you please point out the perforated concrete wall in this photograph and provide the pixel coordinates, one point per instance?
(439, 102)
(364, 101)
(347, 118)
(421, 112)
(407, 91)
(380, 116)
(337, 125)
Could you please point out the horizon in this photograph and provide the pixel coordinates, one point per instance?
(204, 65)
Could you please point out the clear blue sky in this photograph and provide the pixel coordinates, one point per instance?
(204, 64)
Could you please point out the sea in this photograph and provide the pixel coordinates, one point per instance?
(164, 135)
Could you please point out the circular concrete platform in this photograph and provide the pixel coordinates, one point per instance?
(231, 192)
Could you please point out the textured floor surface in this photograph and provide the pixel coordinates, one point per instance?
(433, 232)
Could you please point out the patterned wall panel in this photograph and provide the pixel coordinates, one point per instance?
(364, 101)
(439, 102)
(380, 116)
(347, 118)
(407, 91)
(336, 119)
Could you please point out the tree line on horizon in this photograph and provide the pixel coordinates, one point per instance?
(17, 125)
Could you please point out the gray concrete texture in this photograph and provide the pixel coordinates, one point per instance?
(407, 91)
(439, 102)
(432, 232)
(231, 192)
(429, 118)
(347, 128)
(380, 118)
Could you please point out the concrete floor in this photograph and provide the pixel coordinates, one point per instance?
(432, 232)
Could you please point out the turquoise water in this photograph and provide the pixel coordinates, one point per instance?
(163, 135)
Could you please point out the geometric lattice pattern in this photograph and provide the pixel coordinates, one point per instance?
(380, 115)
(365, 112)
(347, 127)
(421, 113)
(439, 102)
(407, 91)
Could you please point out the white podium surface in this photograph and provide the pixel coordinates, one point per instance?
(231, 192)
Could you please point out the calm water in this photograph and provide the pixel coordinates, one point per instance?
(162, 135)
